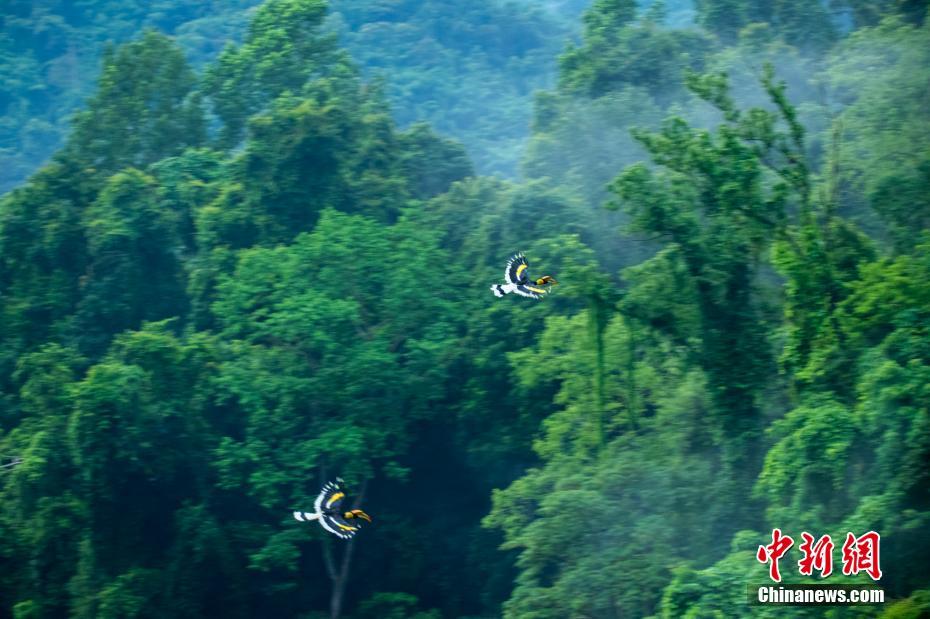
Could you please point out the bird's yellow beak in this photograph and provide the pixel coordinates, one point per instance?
(546, 279)
(357, 513)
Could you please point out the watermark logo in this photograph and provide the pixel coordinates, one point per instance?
(817, 556)
(860, 554)
(815, 595)
(773, 552)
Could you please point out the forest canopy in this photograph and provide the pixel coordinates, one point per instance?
(254, 268)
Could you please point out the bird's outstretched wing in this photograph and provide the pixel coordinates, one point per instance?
(330, 496)
(515, 273)
(337, 525)
(533, 292)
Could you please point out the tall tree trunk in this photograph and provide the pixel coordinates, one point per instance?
(340, 577)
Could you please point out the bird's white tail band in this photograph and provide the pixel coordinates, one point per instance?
(500, 290)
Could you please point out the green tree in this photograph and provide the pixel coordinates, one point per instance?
(40, 494)
(43, 255)
(283, 49)
(619, 51)
(807, 25)
(883, 164)
(328, 370)
(146, 105)
(138, 438)
(717, 198)
(134, 271)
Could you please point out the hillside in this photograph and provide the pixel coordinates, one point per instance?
(243, 274)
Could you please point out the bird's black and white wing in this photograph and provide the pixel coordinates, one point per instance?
(515, 273)
(337, 525)
(330, 496)
(529, 290)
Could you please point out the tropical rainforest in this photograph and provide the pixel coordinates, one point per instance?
(246, 248)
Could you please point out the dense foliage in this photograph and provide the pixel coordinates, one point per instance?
(242, 276)
(50, 56)
(427, 52)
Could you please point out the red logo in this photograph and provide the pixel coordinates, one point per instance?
(773, 552)
(860, 554)
(817, 556)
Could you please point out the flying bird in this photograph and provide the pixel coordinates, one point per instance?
(326, 510)
(519, 281)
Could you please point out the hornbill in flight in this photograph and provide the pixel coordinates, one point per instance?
(519, 281)
(326, 510)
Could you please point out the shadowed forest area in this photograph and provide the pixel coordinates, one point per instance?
(248, 249)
